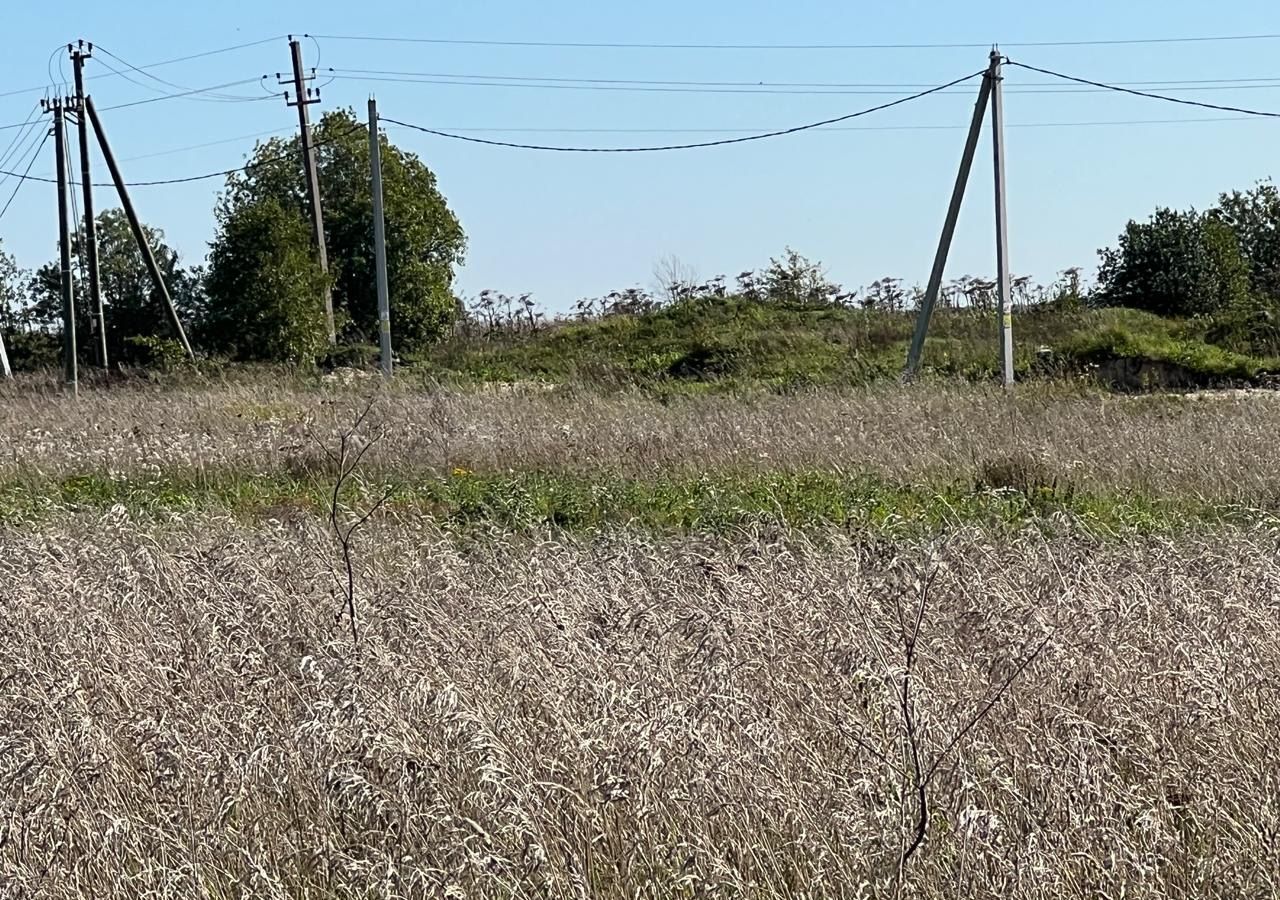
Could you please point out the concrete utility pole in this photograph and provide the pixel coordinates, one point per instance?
(135, 224)
(1002, 225)
(304, 97)
(78, 55)
(380, 239)
(948, 228)
(4, 359)
(64, 241)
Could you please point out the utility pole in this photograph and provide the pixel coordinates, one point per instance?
(1002, 232)
(78, 55)
(64, 241)
(304, 97)
(380, 240)
(136, 225)
(4, 359)
(948, 230)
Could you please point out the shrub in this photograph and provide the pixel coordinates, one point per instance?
(165, 354)
(1175, 264)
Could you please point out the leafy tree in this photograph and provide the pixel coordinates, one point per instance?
(425, 242)
(264, 286)
(132, 306)
(28, 346)
(12, 307)
(1254, 217)
(1175, 264)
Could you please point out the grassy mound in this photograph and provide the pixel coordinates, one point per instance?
(735, 342)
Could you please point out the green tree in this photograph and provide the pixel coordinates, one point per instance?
(1254, 217)
(28, 345)
(264, 287)
(1175, 264)
(425, 241)
(132, 306)
(13, 313)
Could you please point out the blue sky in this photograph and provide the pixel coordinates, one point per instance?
(866, 203)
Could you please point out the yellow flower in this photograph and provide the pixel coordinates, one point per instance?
(459, 472)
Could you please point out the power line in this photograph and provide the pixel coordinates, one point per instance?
(205, 53)
(40, 88)
(611, 45)
(28, 142)
(742, 87)
(217, 143)
(221, 173)
(213, 96)
(848, 128)
(189, 93)
(23, 178)
(1136, 93)
(1185, 84)
(693, 146)
(32, 119)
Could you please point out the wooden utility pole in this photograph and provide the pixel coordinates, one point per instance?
(64, 246)
(380, 239)
(78, 55)
(303, 97)
(135, 224)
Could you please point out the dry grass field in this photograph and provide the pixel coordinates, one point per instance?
(764, 710)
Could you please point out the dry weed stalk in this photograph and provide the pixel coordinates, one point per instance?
(353, 444)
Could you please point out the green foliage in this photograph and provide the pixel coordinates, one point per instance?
(1175, 264)
(1008, 494)
(425, 242)
(11, 293)
(1251, 327)
(132, 306)
(736, 343)
(265, 288)
(1254, 218)
(1188, 358)
(165, 354)
(794, 279)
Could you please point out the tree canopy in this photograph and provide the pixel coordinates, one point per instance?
(1175, 264)
(131, 304)
(263, 216)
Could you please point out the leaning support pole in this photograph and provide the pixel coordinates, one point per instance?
(380, 239)
(948, 230)
(138, 234)
(4, 359)
(64, 245)
(1002, 224)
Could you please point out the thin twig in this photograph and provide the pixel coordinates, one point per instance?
(986, 708)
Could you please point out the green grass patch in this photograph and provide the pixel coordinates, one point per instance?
(721, 502)
(733, 343)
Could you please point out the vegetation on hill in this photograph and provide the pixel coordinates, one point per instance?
(1185, 299)
(735, 342)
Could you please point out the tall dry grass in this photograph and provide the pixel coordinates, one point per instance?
(619, 716)
(1219, 451)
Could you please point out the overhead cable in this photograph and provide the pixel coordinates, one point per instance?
(222, 173)
(1147, 94)
(25, 176)
(613, 45)
(693, 146)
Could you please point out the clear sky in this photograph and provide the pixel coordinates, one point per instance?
(866, 203)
